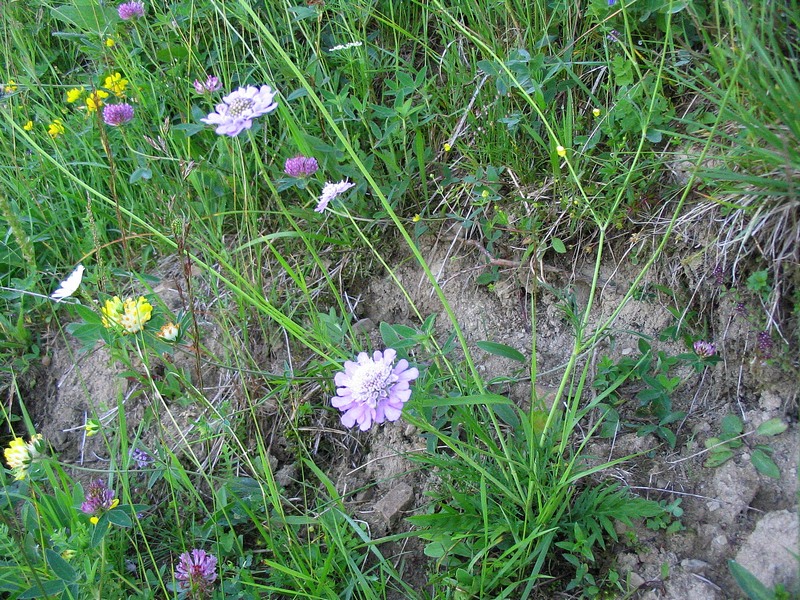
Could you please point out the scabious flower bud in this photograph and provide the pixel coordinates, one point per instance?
(117, 114)
(130, 10)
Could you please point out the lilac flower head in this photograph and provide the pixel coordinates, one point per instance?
(704, 349)
(130, 10)
(196, 571)
(300, 166)
(211, 84)
(98, 498)
(373, 390)
(614, 36)
(117, 114)
(330, 191)
(141, 458)
(765, 344)
(239, 108)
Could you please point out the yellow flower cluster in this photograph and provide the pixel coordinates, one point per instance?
(131, 315)
(11, 86)
(95, 100)
(116, 85)
(19, 455)
(56, 128)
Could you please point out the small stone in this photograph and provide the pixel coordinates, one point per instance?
(635, 581)
(767, 552)
(694, 565)
(399, 498)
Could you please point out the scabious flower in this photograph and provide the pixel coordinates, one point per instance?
(99, 499)
(56, 128)
(130, 10)
(331, 191)
(19, 455)
(95, 100)
(239, 108)
(117, 114)
(116, 84)
(211, 84)
(704, 349)
(141, 458)
(131, 315)
(373, 390)
(300, 166)
(196, 571)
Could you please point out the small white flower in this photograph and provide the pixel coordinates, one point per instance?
(330, 191)
(239, 108)
(345, 46)
(70, 285)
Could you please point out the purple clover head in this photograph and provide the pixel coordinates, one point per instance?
(211, 84)
(130, 10)
(117, 114)
(300, 166)
(373, 390)
(238, 109)
(141, 458)
(196, 571)
(98, 498)
(704, 349)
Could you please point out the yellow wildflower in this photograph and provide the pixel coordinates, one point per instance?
(111, 312)
(95, 100)
(169, 332)
(56, 128)
(11, 86)
(92, 427)
(19, 455)
(131, 315)
(417, 218)
(116, 84)
(596, 112)
(28, 126)
(561, 151)
(110, 42)
(447, 147)
(74, 94)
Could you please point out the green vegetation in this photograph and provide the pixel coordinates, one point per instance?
(536, 129)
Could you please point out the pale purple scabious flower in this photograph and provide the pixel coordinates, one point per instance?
(239, 108)
(704, 349)
(211, 84)
(98, 498)
(330, 191)
(141, 458)
(300, 166)
(373, 390)
(130, 10)
(196, 571)
(117, 114)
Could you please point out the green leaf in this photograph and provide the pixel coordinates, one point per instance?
(140, 173)
(47, 588)
(119, 517)
(750, 585)
(483, 399)
(718, 457)
(502, 350)
(764, 464)
(772, 427)
(558, 245)
(100, 531)
(86, 15)
(61, 568)
(732, 424)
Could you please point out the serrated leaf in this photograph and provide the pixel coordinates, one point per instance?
(772, 427)
(501, 350)
(718, 457)
(749, 583)
(764, 464)
(558, 245)
(61, 568)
